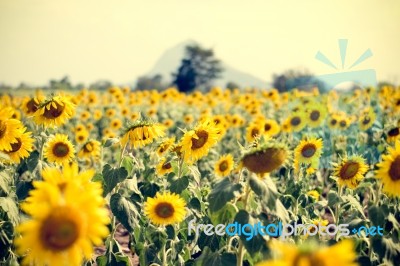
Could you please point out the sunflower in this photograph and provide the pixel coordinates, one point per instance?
(333, 121)
(350, 171)
(197, 142)
(81, 136)
(313, 194)
(85, 115)
(55, 111)
(30, 105)
(68, 217)
(310, 254)
(367, 118)
(389, 171)
(10, 130)
(265, 158)
(316, 115)
(165, 209)
(168, 123)
(308, 152)
(271, 127)
(22, 148)
(253, 131)
(165, 146)
(297, 121)
(141, 133)
(90, 149)
(116, 124)
(59, 149)
(163, 167)
(393, 134)
(344, 123)
(224, 165)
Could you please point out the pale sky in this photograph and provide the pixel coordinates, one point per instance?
(119, 40)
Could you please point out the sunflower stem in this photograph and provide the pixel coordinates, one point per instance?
(340, 192)
(164, 255)
(241, 251)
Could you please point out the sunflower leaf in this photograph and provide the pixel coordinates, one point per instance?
(223, 192)
(124, 211)
(113, 176)
(178, 185)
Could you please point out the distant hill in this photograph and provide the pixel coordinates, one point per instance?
(171, 59)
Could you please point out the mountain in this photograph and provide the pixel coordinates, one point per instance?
(171, 59)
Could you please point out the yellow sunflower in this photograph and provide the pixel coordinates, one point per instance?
(271, 127)
(393, 134)
(314, 194)
(308, 152)
(165, 146)
(59, 149)
(254, 131)
(389, 171)
(297, 121)
(265, 158)
(316, 115)
(224, 165)
(22, 148)
(10, 129)
(141, 133)
(165, 209)
(90, 149)
(197, 142)
(163, 167)
(342, 253)
(350, 171)
(366, 119)
(81, 136)
(333, 121)
(55, 111)
(116, 124)
(30, 105)
(68, 217)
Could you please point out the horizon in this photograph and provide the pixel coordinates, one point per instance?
(96, 40)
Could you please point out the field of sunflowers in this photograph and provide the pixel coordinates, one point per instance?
(78, 170)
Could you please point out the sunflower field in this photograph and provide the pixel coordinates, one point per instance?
(128, 177)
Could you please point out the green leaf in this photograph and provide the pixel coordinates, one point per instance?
(109, 142)
(376, 215)
(158, 238)
(32, 161)
(9, 206)
(355, 203)
(112, 176)
(124, 211)
(23, 188)
(148, 189)
(223, 192)
(101, 260)
(178, 185)
(224, 215)
(128, 163)
(5, 181)
(209, 258)
(333, 198)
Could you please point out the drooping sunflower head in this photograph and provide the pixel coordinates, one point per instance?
(54, 111)
(141, 133)
(165, 209)
(59, 149)
(197, 142)
(165, 146)
(389, 171)
(224, 165)
(350, 171)
(266, 157)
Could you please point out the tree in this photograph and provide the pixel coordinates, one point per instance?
(150, 83)
(198, 69)
(296, 79)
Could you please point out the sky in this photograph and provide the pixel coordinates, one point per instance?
(119, 40)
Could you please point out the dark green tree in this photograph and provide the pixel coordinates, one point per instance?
(198, 69)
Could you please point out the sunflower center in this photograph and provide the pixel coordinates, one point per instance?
(314, 116)
(349, 170)
(295, 121)
(201, 140)
(3, 128)
(394, 170)
(308, 150)
(164, 210)
(60, 149)
(53, 112)
(366, 120)
(16, 146)
(307, 259)
(333, 122)
(223, 166)
(394, 132)
(265, 161)
(267, 127)
(255, 132)
(31, 106)
(59, 232)
(342, 123)
(167, 166)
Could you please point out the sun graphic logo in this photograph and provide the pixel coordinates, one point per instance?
(347, 79)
